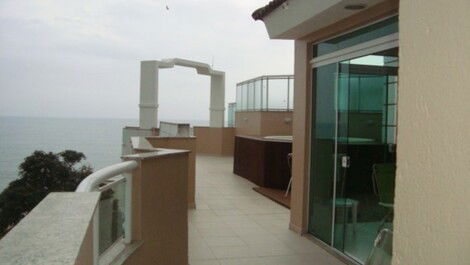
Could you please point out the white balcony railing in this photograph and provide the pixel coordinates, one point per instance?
(113, 219)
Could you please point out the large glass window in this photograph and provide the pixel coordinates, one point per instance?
(377, 30)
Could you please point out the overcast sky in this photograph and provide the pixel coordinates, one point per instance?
(80, 58)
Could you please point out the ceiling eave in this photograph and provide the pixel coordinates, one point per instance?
(298, 18)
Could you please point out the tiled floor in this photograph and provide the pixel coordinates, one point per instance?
(235, 225)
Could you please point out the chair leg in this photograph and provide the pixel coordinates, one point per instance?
(288, 187)
(384, 220)
(354, 215)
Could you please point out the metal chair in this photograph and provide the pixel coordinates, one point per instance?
(381, 254)
(383, 178)
(289, 163)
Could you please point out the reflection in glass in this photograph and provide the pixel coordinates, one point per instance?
(111, 215)
(375, 31)
(354, 120)
(323, 157)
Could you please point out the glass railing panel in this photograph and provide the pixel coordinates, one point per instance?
(111, 213)
(244, 97)
(257, 95)
(277, 94)
(251, 96)
(291, 93)
(266, 93)
(239, 97)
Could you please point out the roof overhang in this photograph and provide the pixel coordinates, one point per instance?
(294, 19)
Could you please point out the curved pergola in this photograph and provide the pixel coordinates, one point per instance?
(149, 90)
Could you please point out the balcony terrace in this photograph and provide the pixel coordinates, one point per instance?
(232, 224)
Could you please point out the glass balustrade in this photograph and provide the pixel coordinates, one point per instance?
(266, 93)
(111, 213)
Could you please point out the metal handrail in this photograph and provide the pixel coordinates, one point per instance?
(92, 182)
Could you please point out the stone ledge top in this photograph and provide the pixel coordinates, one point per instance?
(154, 154)
(146, 151)
(53, 232)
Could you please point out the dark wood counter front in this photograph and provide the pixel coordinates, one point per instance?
(262, 161)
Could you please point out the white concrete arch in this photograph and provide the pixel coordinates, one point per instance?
(149, 90)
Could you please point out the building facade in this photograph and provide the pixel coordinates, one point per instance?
(358, 134)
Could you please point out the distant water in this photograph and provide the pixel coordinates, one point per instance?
(98, 139)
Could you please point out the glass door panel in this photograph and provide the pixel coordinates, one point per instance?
(341, 204)
(353, 138)
(323, 152)
(366, 102)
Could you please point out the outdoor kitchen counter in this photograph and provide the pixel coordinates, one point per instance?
(263, 161)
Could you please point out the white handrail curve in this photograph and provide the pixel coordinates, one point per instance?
(92, 182)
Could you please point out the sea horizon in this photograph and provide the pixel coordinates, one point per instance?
(98, 138)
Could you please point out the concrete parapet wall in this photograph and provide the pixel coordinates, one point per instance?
(160, 209)
(215, 141)
(262, 123)
(184, 143)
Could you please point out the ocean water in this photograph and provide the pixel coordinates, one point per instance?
(98, 139)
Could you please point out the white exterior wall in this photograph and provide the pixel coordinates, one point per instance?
(128, 133)
(432, 203)
(174, 129)
(217, 107)
(148, 95)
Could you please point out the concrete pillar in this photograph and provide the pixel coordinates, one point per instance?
(301, 133)
(148, 95)
(217, 102)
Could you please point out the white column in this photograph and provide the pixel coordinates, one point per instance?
(217, 104)
(148, 94)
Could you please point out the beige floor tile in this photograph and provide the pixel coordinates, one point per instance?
(226, 252)
(216, 231)
(272, 249)
(196, 241)
(228, 212)
(284, 260)
(221, 241)
(200, 252)
(204, 262)
(234, 225)
(242, 261)
(259, 239)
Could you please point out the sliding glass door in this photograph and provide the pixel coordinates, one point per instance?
(353, 142)
(323, 153)
(365, 140)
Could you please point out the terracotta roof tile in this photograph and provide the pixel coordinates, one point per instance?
(260, 13)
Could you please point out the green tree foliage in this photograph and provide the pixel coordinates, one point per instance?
(39, 174)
